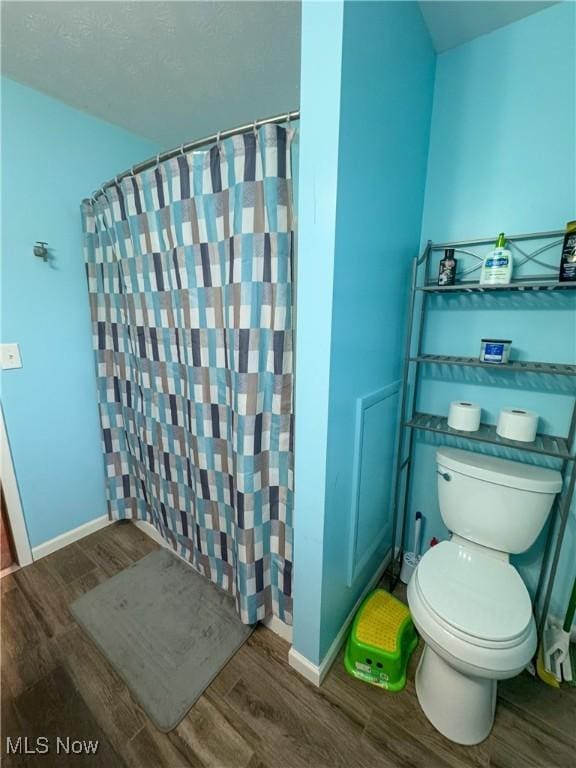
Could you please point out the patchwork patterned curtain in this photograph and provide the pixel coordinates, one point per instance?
(189, 269)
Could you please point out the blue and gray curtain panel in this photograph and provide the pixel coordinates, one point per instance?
(189, 270)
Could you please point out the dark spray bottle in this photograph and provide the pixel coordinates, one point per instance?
(447, 270)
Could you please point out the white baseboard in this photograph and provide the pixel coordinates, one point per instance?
(70, 536)
(305, 667)
(151, 531)
(316, 673)
(273, 623)
(280, 628)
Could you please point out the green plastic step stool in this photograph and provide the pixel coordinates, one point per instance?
(381, 642)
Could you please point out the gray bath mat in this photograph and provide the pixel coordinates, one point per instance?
(165, 629)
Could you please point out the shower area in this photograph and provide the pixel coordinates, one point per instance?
(190, 262)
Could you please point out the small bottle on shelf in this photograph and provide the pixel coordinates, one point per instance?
(447, 270)
(568, 259)
(497, 266)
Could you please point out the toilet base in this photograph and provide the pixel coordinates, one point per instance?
(460, 707)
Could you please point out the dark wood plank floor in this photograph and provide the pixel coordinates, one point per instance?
(258, 712)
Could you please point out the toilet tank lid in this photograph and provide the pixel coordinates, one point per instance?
(513, 474)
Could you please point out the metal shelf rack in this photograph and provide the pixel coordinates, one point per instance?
(412, 420)
(468, 286)
(513, 366)
(547, 445)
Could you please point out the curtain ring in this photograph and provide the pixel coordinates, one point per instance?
(218, 141)
(116, 181)
(288, 119)
(254, 129)
(182, 148)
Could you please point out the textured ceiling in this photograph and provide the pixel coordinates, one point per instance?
(453, 23)
(169, 71)
(175, 71)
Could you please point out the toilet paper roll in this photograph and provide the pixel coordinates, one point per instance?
(464, 416)
(517, 424)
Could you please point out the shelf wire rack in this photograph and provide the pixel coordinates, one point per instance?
(561, 448)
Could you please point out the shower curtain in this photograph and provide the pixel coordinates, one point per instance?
(189, 270)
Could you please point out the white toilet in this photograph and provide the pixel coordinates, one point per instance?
(468, 603)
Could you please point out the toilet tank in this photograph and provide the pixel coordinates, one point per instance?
(494, 502)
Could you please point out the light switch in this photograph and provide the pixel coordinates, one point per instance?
(10, 356)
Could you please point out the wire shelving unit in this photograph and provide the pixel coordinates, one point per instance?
(560, 447)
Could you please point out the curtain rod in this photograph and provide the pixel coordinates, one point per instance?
(286, 117)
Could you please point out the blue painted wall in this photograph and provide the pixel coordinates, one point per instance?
(354, 256)
(52, 157)
(502, 157)
(318, 180)
(388, 65)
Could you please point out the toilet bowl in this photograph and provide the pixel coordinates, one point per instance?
(467, 601)
(475, 616)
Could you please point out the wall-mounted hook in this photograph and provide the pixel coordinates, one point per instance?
(41, 250)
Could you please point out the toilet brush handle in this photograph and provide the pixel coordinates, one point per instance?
(571, 610)
(417, 527)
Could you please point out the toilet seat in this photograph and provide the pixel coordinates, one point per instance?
(456, 634)
(464, 637)
(474, 595)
